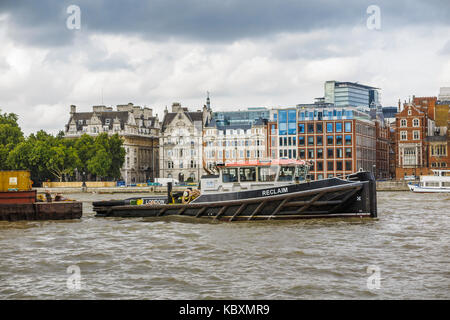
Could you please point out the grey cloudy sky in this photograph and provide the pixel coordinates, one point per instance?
(246, 53)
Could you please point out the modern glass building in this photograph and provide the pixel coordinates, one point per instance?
(343, 94)
(245, 117)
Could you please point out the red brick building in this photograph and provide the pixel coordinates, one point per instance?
(411, 130)
(382, 150)
(422, 137)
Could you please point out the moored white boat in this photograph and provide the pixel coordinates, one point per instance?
(439, 182)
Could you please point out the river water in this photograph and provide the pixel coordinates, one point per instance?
(404, 254)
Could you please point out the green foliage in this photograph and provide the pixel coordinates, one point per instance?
(10, 136)
(55, 157)
(100, 163)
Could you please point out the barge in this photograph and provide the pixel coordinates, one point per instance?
(246, 191)
(19, 202)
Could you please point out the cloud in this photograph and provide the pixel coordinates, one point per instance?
(43, 23)
(252, 53)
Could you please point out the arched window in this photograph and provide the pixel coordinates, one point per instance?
(416, 122)
(403, 123)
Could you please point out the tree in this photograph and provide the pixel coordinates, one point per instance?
(100, 163)
(10, 136)
(117, 152)
(62, 161)
(85, 150)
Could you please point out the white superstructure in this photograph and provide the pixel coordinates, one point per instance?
(439, 182)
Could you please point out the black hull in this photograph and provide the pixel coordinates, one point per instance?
(317, 199)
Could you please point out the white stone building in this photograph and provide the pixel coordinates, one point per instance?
(238, 142)
(181, 143)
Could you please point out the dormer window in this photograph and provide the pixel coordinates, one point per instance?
(107, 121)
(409, 112)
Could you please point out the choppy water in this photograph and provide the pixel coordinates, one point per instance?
(173, 259)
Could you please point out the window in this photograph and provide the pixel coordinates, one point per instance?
(310, 140)
(330, 153)
(348, 127)
(348, 165)
(301, 128)
(338, 126)
(348, 152)
(319, 128)
(229, 175)
(329, 140)
(301, 153)
(282, 121)
(330, 165)
(247, 174)
(301, 141)
(416, 135)
(292, 122)
(281, 141)
(409, 112)
(339, 165)
(310, 128)
(266, 174)
(310, 153)
(339, 140)
(403, 123)
(348, 139)
(319, 140)
(329, 127)
(416, 122)
(338, 152)
(286, 173)
(319, 153)
(403, 135)
(319, 165)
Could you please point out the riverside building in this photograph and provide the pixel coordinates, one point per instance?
(181, 143)
(138, 128)
(243, 137)
(422, 136)
(336, 140)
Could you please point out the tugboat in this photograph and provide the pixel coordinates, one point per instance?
(259, 190)
(18, 201)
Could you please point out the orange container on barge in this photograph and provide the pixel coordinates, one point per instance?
(18, 201)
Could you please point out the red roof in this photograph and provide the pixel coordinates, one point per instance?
(265, 163)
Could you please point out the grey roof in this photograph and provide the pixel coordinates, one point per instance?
(192, 116)
(103, 115)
